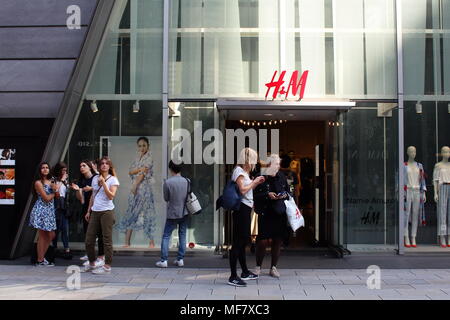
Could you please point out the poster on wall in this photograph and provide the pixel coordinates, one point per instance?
(139, 200)
(7, 176)
(6, 195)
(7, 157)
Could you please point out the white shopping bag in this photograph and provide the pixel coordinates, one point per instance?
(294, 215)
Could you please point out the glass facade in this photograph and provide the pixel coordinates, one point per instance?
(427, 95)
(230, 49)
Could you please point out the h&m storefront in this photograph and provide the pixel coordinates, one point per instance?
(204, 64)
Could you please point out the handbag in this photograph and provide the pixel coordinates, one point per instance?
(231, 197)
(294, 214)
(192, 204)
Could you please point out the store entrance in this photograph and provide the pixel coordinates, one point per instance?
(309, 147)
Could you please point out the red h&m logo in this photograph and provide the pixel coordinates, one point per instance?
(295, 85)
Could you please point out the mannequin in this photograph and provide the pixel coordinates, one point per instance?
(441, 183)
(415, 187)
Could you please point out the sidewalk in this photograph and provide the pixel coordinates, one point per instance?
(49, 283)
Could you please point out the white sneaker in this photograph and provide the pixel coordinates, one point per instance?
(88, 267)
(178, 263)
(162, 264)
(102, 270)
(84, 258)
(274, 272)
(257, 270)
(99, 263)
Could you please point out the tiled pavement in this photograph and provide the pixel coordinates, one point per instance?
(49, 283)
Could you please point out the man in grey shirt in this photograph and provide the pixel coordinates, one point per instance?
(175, 191)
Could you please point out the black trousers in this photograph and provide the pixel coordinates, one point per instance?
(241, 238)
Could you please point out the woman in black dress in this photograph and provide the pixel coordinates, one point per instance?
(272, 221)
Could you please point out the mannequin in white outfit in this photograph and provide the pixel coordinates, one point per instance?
(415, 190)
(441, 183)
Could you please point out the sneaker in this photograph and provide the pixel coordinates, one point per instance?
(257, 271)
(179, 263)
(162, 264)
(49, 264)
(84, 258)
(236, 281)
(249, 276)
(274, 272)
(102, 270)
(99, 263)
(41, 264)
(88, 267)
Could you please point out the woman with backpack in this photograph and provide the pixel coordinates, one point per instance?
(242, 217)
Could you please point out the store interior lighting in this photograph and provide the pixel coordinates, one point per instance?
(94, 107)
(418, 107)
(136, 107)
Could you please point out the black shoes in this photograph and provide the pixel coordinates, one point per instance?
(249, 276)
(236, 281)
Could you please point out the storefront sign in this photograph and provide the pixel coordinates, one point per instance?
(295, 86)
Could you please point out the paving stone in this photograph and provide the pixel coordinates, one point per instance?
(256, 297)
(404, 297)
(210, 297)
(361, 297)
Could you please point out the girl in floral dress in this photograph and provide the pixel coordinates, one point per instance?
(42, 215)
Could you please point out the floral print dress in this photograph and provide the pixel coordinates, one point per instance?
(42, 215)
(141, 214)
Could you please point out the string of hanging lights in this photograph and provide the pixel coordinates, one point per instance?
(335, 124)
(255, 123)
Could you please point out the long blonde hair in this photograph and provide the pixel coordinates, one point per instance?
(249, 157)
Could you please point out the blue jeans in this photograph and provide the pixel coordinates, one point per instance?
(170, 225)
(62, 226)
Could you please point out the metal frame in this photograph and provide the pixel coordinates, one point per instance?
(244, 104)
(68, 112)
(401, 140)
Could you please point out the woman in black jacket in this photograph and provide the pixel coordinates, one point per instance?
(272, 221)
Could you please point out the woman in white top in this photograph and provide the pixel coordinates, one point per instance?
(242, 218)
(101, 214)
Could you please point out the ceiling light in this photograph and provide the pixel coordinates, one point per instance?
(136, 106)
(291, 114)
(418, 107)
(264, 123)
(94, 107)
(268, 114)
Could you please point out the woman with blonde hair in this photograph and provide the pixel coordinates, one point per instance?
(242, 218)
(272, 219)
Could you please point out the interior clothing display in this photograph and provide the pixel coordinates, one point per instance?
(441, 174)
(444, 209)
(415, 188)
